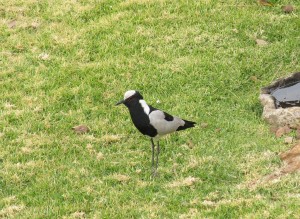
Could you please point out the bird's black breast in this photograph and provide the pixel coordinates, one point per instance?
(141, 120)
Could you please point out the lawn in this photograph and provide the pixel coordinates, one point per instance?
(66, 63)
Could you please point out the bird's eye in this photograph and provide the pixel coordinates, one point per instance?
(129, 99)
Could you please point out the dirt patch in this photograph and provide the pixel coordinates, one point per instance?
(81, 129)
(291, 164)
(291, 159)
(282, 131)
(287, 8)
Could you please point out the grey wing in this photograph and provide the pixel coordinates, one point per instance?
(163, 123)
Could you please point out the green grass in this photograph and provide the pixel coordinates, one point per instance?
(196, 57)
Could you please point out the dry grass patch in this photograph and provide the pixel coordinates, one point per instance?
(93, 152)
(108, 20)
(186, 182)
(111, 138)
(140, 2)
(34, 141)
(142, 183)
(195, 162)
(100, 156)
(11, 211)
(20, 170)
(290, 159)
(192, 213)
(254, 160)
(232, 202)
(78, 214)
(8, 105)
(120, 177)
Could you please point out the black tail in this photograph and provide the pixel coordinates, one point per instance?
(187, 124)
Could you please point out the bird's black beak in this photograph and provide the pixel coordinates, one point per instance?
(120, 102)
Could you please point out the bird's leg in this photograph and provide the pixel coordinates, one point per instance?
(153, 150)
(157, 153)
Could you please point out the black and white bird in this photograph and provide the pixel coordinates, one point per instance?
(151, 121)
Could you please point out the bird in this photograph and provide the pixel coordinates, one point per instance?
(152, 122)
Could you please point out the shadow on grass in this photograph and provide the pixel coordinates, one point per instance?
(257, 109)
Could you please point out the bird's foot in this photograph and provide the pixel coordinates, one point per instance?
(154, 173)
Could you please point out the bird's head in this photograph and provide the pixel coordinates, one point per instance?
(130, 96)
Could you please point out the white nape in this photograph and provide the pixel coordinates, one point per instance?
(129, 94)
(145, 106)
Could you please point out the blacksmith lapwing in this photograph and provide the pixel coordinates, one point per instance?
(152, 122)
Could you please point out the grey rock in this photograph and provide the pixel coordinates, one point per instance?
(279, 116)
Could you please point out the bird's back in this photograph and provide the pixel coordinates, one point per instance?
(165, 123)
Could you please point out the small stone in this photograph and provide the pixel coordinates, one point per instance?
(81, 129)
(287, 8)
(288, 140)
